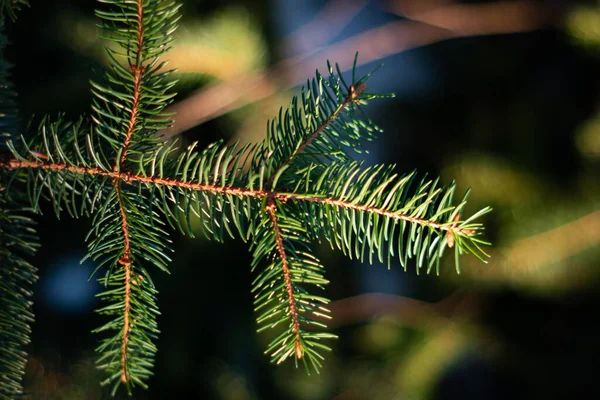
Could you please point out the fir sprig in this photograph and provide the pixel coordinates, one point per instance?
(280, 292)
(18, 242)
(298, 186)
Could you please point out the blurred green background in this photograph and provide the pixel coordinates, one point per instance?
(503, 97)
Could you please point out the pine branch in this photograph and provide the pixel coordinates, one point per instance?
(138, 71)
(125, 260)
(319, 126)
(353, 93)
(297, 186)
(128, 107)
(18, 242)
(292, 311)
(452, 226)
(138, 94)
(122, 246)
(278, 294)
(358, 210)
(362, 207)
(65, 148)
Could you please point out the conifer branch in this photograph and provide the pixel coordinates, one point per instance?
(270, 208)
(10, 163)
(297, 186)
(137, 85)
(353, 93)
(135, 97)
(138, 71)
(128, 177)
(125, 260)
(18, 243)
(280, 293)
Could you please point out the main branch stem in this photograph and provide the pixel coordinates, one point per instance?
(129, 177)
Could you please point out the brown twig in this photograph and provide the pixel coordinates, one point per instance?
(270, 209)
(137, 88)
(125, 261)
(138, 72)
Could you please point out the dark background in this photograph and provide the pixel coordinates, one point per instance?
(513, 115)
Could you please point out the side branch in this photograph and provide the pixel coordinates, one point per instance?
(353, 93)
(270, 208)
(137, 88)
(138, 72)
(125, 260)
(451, 229)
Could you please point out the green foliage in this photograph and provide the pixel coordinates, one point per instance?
(18, 242)
(372, 211)
(127, 108)
(297, 186)
(10, 8)
(63, 142)
(280, 290)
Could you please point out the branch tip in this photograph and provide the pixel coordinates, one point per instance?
(299, 349)
(355, 91)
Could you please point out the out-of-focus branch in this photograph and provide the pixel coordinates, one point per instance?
(555, 245)
(434, 24)
(331, 19)
(411, 312)
(477, 19)
(414, 7)
(547, 261)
